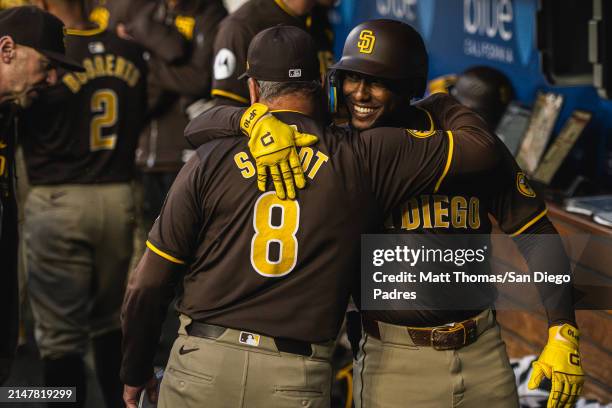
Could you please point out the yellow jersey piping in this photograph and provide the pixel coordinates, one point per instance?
(164, 255)
(284, 7)
(85, 33)
(530, 223)
(431, 122)
(229, 95)
(449, 159)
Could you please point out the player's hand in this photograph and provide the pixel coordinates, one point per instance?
(560, 362)
(131, 395)
(273, 145)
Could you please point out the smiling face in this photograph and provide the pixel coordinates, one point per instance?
(368, 99)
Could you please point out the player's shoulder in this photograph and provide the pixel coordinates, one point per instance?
(435, 101)
(391, 138)
(252, 17)
(217, 149)
(248, 13)
(380, 132)
(103, 41)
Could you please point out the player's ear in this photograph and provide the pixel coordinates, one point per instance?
(7, 49)
(253, 90)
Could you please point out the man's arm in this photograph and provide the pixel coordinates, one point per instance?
(171, 242)
(164, 42)
(149, 292)
(449, 114)
(522, 214)
(559, 361)
(217, 122)
(190, 76)
(543, 250)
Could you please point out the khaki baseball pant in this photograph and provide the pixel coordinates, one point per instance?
(79, 244)
(223, 373)
(394, 373)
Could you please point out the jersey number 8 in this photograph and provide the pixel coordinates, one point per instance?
(104, 103)
(282, 234)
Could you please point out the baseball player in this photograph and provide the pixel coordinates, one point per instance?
(383, 67)
(376, 96)
(238, 29)
(179, 38)
(79, 144)
(28, 62)
(266, 281)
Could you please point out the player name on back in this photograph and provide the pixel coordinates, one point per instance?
(108, 65)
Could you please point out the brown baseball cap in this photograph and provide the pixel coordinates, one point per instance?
(37, 29)
(283, 54)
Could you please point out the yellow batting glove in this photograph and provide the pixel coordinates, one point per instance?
(273, 145)
(560, 362)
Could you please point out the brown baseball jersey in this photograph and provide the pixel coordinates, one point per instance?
(462, 204)
(238, 29)
(85, 129)
(284, 268)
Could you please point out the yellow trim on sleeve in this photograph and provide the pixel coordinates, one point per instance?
(164, 255)
(229, 95)
(431, 122)
(85, 33)
(530, 223)
(449, 159)
(282, 5)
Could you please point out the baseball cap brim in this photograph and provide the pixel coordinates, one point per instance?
(62, 61)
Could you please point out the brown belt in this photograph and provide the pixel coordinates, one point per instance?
(211, 331)
(440, 338)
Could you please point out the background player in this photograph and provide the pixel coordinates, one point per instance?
(79, 147)
(178, 35)
(28, 61)
(238, 29)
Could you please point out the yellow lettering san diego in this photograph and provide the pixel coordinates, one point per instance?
(106, 65)
(441, 211)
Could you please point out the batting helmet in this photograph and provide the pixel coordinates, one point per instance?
(386, 49)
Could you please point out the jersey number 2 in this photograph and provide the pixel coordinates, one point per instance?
(282, 235)
(104, 104)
